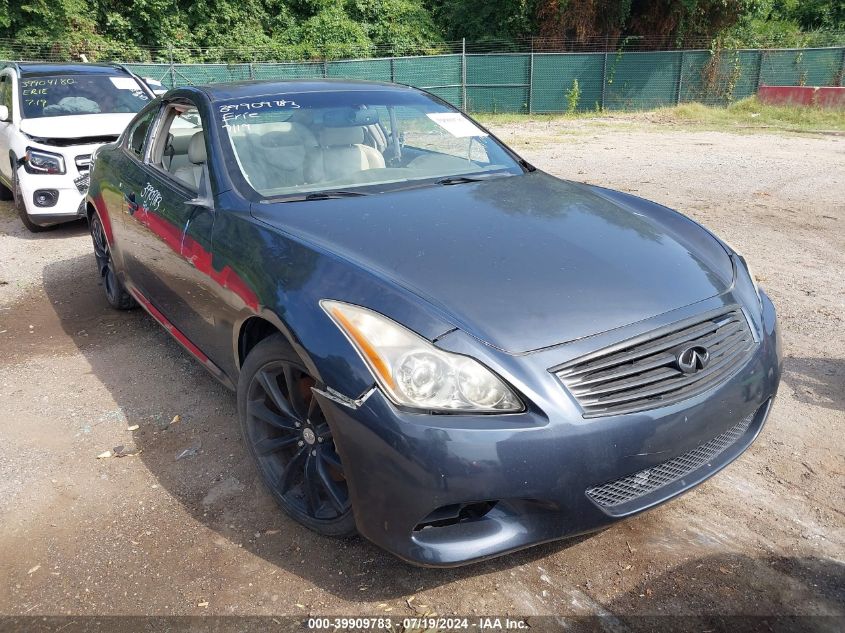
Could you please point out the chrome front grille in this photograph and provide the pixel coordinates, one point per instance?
(644, 373)
(647, 481)
(83, 163)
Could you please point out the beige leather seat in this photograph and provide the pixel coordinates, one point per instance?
(284, 155)
(342, 153)
(176, 149)
(191, 174)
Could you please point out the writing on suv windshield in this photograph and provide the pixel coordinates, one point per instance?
(364, 141)
(65, 95)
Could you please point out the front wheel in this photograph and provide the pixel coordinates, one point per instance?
(290, 440)
(20, 206)
(116, 294)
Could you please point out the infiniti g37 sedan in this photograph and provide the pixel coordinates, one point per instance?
(433, 343)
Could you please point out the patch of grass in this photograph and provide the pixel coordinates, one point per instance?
(750, 113)
(745, 115)
(506, 118)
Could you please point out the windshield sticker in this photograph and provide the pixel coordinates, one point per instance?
(124, 83)
(456, 124)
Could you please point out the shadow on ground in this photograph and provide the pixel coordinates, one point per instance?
(817, 381)
(57, 232)
(200, 460)
(737, 593)
(202, 463)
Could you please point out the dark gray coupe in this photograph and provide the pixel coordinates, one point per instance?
(433, 343)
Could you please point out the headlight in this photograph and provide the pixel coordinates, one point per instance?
(413, 372)
(38, 162)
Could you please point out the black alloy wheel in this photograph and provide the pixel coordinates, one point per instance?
(116, 294)
(291, 441)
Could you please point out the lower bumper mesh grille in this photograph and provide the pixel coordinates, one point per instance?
(647, 481)
(82, 183)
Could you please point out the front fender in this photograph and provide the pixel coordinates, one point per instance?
(289, 278)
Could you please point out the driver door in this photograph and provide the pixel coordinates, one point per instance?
(169, 223)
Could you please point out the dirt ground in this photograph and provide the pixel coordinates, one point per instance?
(165, 532)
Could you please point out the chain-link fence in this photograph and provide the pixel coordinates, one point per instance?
(542, 81)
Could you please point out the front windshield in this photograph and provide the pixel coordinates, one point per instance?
(63, 95)
(366, 141)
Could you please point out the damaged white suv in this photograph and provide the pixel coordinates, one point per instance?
(52, 118)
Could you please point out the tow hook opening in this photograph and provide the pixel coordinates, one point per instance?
(455, 513)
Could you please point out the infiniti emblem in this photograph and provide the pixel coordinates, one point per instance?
(693, 359)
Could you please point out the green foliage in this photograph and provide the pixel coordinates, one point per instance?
(396, 26)
(257, 30)
(749, 113)
(573, 97)
(485, 20)
(788, 23)
(216, 30)
(331, 33)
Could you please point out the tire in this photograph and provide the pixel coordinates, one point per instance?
(290, 441)
(20, 206)
(116, 293)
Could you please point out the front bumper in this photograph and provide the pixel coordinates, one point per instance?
(69, 206)
(537, 466)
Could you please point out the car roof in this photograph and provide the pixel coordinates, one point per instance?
(34, 69)
(248, 89)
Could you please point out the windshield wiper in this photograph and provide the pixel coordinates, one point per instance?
(456, 180)
(328, 195)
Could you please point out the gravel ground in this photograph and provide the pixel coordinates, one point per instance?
(160, 534)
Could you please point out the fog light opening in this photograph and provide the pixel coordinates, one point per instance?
(45, 197)
(455, 513)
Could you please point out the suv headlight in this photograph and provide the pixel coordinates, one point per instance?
(37, 161)
(414, 373)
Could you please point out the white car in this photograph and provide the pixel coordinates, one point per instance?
(52, 118)
(155, 85)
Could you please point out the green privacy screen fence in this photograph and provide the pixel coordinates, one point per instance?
(546, 82)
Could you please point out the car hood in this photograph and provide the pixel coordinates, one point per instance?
(521, 262)
(77, 125)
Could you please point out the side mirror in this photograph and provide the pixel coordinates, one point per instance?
(4, 113)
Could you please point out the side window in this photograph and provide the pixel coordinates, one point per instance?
(138, 133)
(6, 93)
(179, 149)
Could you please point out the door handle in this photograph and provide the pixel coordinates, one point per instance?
(130, 202)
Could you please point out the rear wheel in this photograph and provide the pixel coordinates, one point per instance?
(20, 206)
(116, 294)
(290, 440)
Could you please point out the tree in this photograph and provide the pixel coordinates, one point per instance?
(485, 20)
(214, 30)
